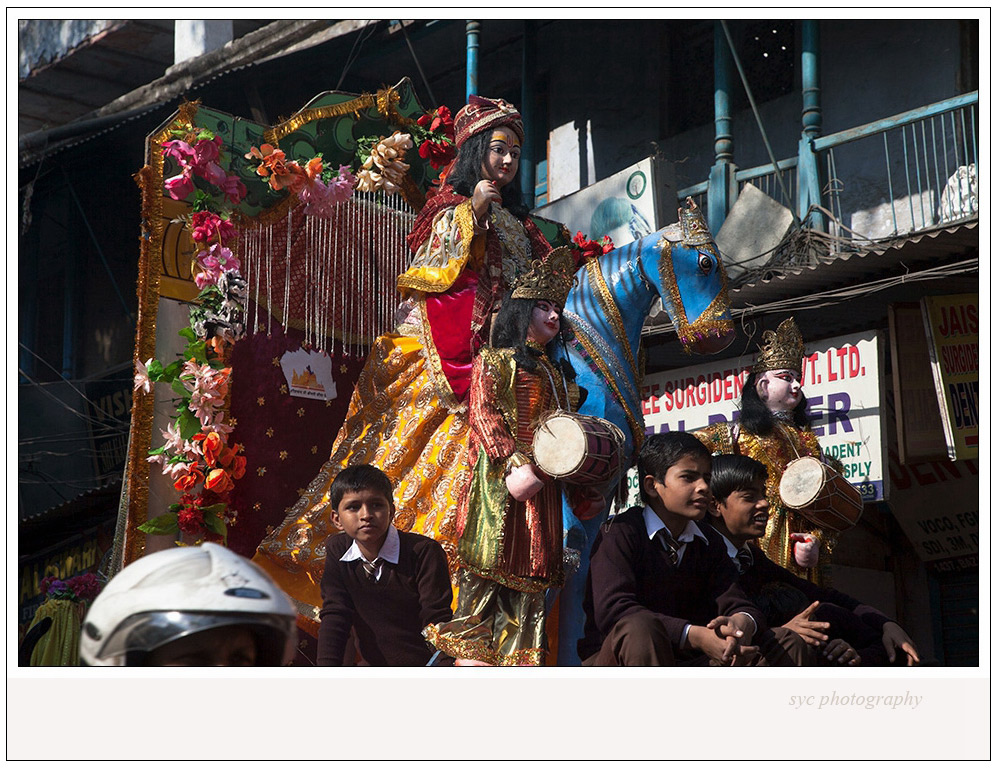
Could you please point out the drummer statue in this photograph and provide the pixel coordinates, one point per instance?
(773, 428)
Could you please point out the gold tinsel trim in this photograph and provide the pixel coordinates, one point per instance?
(519, 584)
(637, 426)
(384, 101)
(150, 182)
(612, 312)
(480, 651)
(710, 321)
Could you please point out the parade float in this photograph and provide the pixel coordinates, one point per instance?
(268, 267)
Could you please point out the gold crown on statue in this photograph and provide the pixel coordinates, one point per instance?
(783, 348)
(694, 228)
(550, 278)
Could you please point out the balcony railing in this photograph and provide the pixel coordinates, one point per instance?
(893, 177)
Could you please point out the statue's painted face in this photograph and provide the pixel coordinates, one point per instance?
(545, 322)
(779, 389)
(502, 159)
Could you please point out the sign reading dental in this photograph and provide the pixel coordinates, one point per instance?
(841, 381)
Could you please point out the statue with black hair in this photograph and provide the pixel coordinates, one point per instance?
(408, 414)
(774, 428)
(510, 520)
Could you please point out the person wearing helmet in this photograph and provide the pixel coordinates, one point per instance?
(195, 606)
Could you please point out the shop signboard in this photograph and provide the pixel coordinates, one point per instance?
(920, 436)
(951, 324)
(937, 504)
(842, 381)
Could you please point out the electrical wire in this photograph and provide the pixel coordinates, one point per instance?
(64, 379)
(358, 43)
(839, 295)
(86, 418)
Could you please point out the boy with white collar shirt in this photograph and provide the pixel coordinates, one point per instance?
(845, 631)
(386, 584)
(661, 589)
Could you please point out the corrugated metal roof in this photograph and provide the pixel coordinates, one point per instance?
(99, 496)
(883, 259)
(74, 67)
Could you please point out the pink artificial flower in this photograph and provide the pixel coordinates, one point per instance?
(343, 185)
(212, 172)
(218, 427)
(206, 150)
(180, 186)
(179, 150)
(234, 189)
(178, 470)
(142, 380)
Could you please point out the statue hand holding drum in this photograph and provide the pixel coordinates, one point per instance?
(811, 503)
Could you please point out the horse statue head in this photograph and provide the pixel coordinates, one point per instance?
(607, 309)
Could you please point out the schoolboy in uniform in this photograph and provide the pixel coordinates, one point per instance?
(386, 584)
(846, 631)
(661, 589)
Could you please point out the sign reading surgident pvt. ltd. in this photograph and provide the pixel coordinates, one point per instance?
(841, 381)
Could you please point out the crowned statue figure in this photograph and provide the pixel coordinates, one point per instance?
(774, 428)
(510, 521)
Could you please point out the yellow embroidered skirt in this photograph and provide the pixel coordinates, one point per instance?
(403, 422)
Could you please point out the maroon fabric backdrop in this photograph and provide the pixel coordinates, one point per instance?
(287, 438)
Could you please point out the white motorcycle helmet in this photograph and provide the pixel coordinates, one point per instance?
(175, 593)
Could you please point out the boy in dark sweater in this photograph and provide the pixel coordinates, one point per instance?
(845, 631)
(386, 584)
(661, 589)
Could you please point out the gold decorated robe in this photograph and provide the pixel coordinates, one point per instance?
(509, 551)
(403, 415)
(777, 450)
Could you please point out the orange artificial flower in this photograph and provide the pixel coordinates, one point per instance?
(189, 481)
(238, 469)
(313, 168)
(211, 448)
(219, 481)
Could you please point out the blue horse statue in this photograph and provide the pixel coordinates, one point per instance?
(607, 309)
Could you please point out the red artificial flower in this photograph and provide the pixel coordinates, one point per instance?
(439, 154)
(439, 121)
(190, 520)
(589, 249)
(207, 227)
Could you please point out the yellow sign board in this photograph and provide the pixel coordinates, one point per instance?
(951, 325)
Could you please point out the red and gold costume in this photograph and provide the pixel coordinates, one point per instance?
(510, 552)
(777, 450)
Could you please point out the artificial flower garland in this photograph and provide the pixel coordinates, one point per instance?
(196, 456)
(82, 588)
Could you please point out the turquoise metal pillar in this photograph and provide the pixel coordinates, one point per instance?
(471, 29)
(527, 98)
(808, 172)
(722, 188)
